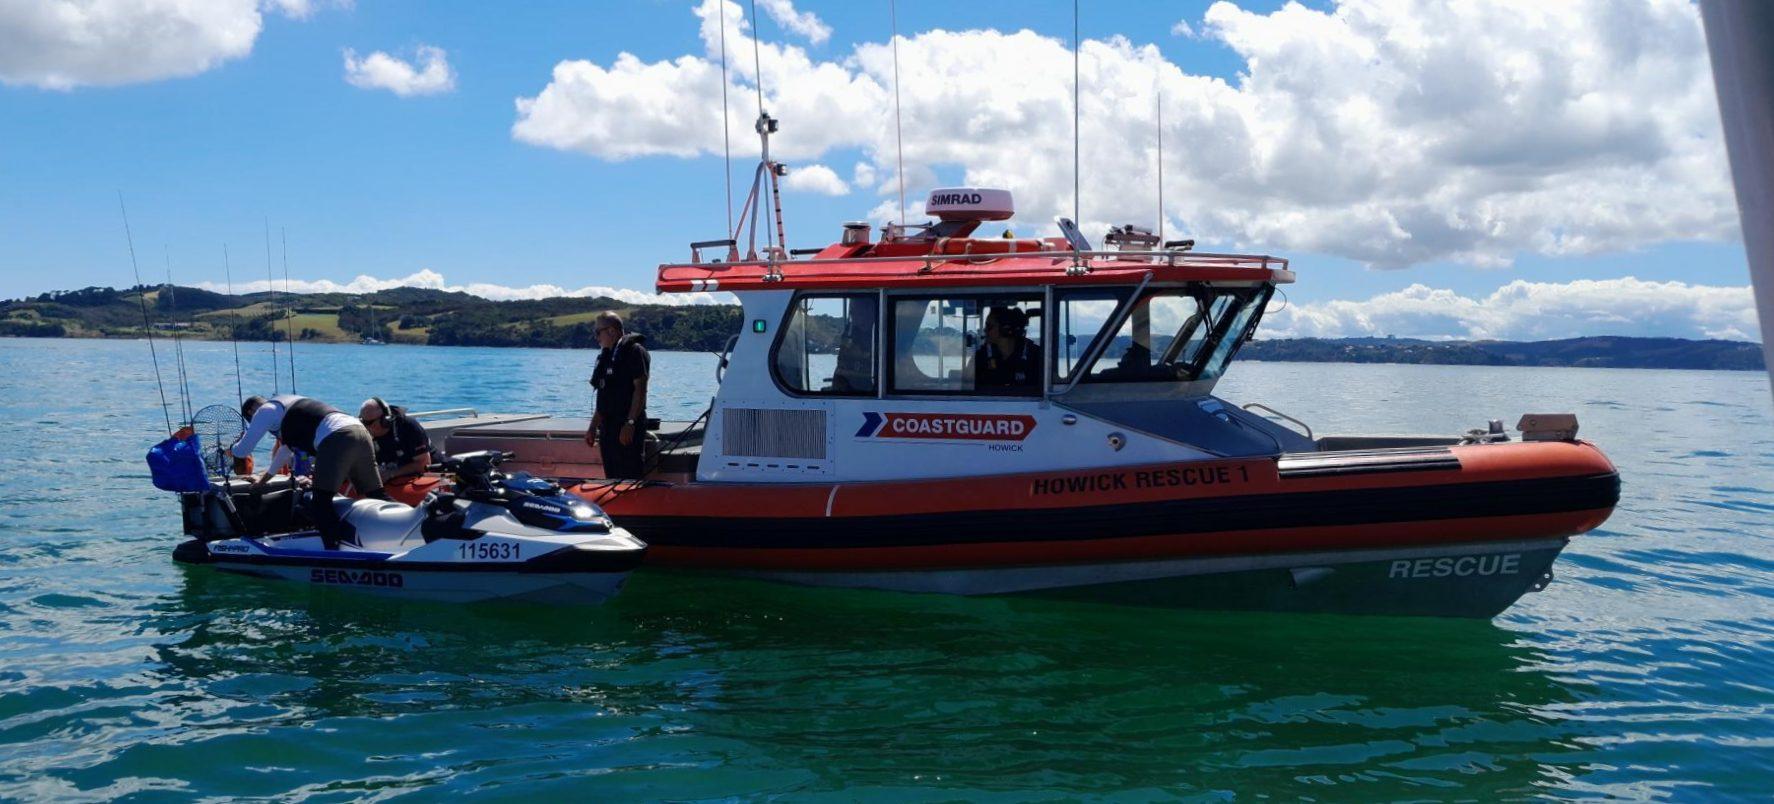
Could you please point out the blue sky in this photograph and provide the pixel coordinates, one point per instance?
(367, 182)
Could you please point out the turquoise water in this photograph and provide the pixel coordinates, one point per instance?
(1645, 671)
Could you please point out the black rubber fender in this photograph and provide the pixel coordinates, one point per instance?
(192, 552)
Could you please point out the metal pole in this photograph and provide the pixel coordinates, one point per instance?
(1738, 33)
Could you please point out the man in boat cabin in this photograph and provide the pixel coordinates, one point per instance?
(620, 377)
(403, 449)
(341, 446)
(1007, 359)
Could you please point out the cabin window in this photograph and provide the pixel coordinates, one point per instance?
(1167, 334)
(983, 344)
(828, 344)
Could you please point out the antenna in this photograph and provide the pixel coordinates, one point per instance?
(147, 324)
(233, 333)
(1076, 140)
(178, 344)
(898, 128)
(271, 286)
(289, 322)
(726, 133)
(1158, 89)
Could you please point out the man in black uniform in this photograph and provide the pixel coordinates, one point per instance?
(1008, 359)
(341, 447)
(402, 447)
(618, 424)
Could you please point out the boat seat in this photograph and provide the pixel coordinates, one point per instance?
(380, 524)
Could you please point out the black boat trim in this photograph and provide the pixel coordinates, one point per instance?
(1121, 520)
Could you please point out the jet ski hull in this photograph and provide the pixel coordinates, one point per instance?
(566, 576)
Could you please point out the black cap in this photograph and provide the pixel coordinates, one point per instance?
(252, 403)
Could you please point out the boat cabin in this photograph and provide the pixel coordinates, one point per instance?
(940, 350)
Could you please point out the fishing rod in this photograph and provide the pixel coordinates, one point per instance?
(288, 323)
(147, 324)
(272, 287)
(234, 327)
(178, 344)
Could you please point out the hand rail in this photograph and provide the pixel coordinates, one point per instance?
(1168, 256)
(444, 412)
(1303, 425)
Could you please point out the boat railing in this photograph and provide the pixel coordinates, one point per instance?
(1278, 414)
(1167, 257)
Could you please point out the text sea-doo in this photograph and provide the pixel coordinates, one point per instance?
(491, 536)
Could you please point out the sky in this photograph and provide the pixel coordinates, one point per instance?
(1517, 170)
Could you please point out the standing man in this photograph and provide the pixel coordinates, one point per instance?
(618, 425)
(341, 447)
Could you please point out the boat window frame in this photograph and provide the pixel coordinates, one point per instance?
(890, 331)
(782, 329)
(1258, 294)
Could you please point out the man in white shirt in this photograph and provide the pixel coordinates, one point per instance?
(342, 450)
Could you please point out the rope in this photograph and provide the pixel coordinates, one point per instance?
(898, 128)
(147, 323)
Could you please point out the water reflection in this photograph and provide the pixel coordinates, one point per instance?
(875, 690)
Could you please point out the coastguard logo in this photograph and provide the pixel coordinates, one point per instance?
(947, 426)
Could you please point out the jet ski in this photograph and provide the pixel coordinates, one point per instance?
(489, 536)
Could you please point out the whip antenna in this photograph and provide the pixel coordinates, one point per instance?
(271, 286)
(178, 345)
(1158, 89)
(1076, 215)
(290, 322)
(726, 134)
(898, 128)
(147, 324)
(233, 328)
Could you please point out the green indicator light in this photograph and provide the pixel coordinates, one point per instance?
(757, 325)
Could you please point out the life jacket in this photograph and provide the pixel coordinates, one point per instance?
(606, 359)
(301, 418)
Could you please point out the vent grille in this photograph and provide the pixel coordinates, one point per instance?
(774, 433)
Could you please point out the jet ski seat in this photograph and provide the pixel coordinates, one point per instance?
(380, 524)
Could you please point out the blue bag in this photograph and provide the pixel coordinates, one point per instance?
(176, 464)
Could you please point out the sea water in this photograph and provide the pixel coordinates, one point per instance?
(1646, 670)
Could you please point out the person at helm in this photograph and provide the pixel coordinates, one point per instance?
(341, 447)
(1007, 358)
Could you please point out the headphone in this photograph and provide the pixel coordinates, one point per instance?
(387, 412)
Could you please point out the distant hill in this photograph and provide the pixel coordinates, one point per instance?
(397, 315)
(442, 318)
(1595, 352)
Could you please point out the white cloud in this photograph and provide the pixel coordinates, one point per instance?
(302, 9)
(59, 44)
(799, 22)
(815, 179)
(1389, 133)
(1183, 29)
(427, 278)
(1522, 310)
(428, 73)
